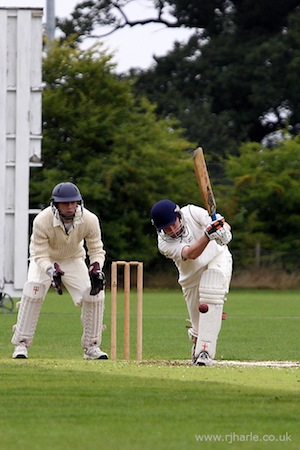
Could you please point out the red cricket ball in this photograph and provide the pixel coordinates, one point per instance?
(203, 308)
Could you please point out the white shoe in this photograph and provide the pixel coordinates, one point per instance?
(21, 351)
(94, 352)
(204, 360)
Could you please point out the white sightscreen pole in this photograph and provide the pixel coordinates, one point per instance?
(20, 136)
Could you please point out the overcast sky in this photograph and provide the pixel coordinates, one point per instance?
(133, 47)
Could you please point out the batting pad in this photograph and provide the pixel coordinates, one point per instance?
(28, 314)
(212, 292)
(92, 319)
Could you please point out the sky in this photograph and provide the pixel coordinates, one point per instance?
(132, 47)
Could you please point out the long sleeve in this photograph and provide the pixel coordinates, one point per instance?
(49, 241)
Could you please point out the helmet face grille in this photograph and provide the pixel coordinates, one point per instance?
(66, 192)
(163, 214)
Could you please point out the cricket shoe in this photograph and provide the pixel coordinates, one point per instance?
(21, 351)
(204, 360)
(94, 352)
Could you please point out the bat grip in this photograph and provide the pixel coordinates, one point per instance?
(213, 216)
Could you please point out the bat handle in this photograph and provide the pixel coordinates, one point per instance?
(213, 216)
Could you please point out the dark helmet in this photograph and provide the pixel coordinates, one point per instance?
(164, 213)
(66, 192)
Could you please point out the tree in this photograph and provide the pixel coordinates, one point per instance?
(98, 135)
(108, 16)
(234, 79)
(263, 202)
(214, 17)
(228, 80)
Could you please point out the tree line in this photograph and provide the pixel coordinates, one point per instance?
(127, 140)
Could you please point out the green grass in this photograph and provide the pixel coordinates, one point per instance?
(56, 400)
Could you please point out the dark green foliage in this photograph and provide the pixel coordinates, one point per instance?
(235, 81)
(111, 144)
(241, 64)
(264, 200)
(225, 81)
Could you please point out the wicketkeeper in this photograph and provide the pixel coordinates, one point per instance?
(198, 247)
(58, 258)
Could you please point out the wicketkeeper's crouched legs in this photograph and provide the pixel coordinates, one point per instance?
(92, 322)
(29, 310)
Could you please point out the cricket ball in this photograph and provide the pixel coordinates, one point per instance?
(203, 308)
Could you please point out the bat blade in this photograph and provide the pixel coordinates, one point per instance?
(204, 182)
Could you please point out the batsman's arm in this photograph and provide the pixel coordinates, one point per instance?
(195, 250)
(218, 231)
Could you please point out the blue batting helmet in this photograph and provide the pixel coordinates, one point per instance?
(164, 213)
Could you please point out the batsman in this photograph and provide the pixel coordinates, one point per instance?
(196, 239)
(63, 235)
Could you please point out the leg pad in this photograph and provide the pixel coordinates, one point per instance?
(212, 292)
(28, 313)
(92, 319)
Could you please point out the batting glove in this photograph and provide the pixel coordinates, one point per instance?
(225, 235)
(97, 278)
(212, 229)
(55, 273)
(219, 231)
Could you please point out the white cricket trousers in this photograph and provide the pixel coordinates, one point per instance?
(76, 278)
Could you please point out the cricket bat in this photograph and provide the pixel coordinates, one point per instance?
(204, 182)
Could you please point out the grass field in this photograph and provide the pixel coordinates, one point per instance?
(56, 400)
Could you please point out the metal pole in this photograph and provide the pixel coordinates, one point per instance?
(50, 24)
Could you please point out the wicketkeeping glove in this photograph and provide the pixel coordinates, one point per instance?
(55, 273)
(97, 278)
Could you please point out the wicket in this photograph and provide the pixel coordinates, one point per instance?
(114, 289)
